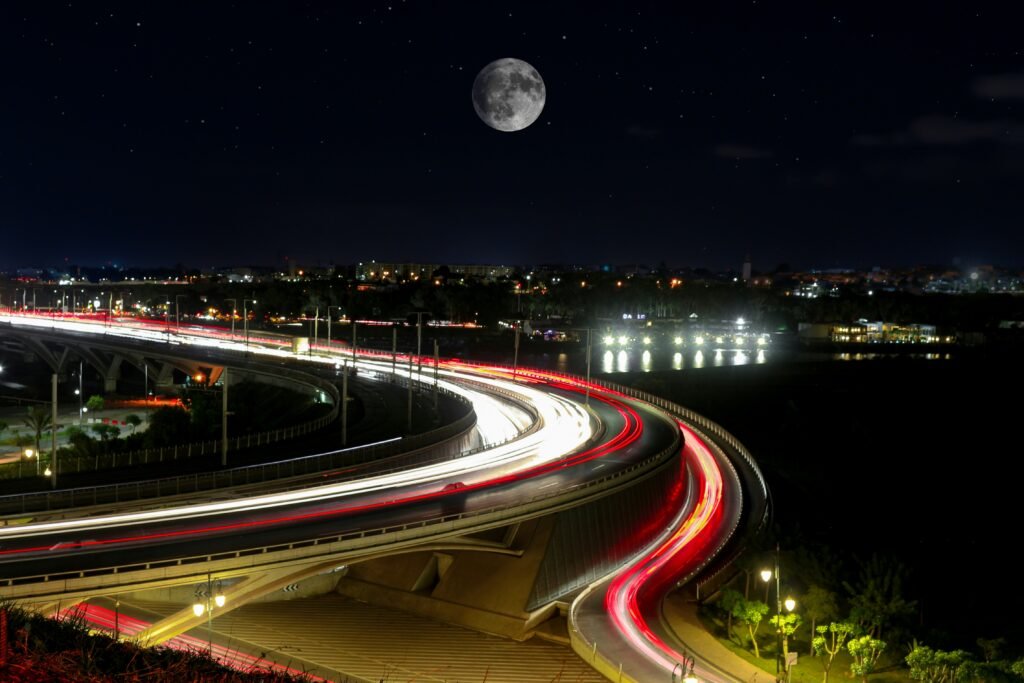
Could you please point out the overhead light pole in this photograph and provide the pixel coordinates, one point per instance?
(245, 320)
(234, 311)
(207, 598)
(329, 326)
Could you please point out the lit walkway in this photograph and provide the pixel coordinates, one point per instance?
(373, 643)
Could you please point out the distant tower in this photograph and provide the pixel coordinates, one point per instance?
(746, 268)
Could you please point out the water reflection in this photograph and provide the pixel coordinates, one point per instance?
(698, 359)
(740, 358)
(760, 357)
(677, 361)
(622, 362)
(645, 361)
(717, 361)
(608, 362)
(562, 363)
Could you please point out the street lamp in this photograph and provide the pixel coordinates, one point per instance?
(29, 454)
(766, 575)
(206, 599)
(685, 669)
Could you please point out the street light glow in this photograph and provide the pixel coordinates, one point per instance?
(766, 575)
(790, 604)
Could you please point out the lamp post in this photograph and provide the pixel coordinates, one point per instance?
(329, 326)
(766, 576)
(177, 310)
(79, 392)
(206, 599)
(685, 669)
(29, 454)
(234, 310)
(245, 320)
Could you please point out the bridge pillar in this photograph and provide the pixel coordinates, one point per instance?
(165, 377)
(111, 374)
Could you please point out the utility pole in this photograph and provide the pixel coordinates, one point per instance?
(353, 342)
(316, 329)
(409, 410)
(436, 358)
(515, 357)
(590, 333)
(53, 432)
(224, 419)
(80, 412)
(419, 341)
(394, 353)
(344, 404)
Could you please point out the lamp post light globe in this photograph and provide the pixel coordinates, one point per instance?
(790, 604)
(766, 575)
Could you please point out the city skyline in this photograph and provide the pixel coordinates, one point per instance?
(824, 137)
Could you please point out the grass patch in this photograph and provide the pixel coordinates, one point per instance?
(808, 668)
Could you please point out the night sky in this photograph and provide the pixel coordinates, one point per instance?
(824, 134)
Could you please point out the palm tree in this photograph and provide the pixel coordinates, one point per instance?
(39, 419)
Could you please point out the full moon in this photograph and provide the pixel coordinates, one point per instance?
(508, 94)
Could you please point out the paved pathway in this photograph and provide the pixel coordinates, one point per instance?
(375, 643)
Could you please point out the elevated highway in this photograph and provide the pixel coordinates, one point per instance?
(571, 454)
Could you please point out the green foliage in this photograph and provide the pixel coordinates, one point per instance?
(39, 419)
(133, 421)
(819, 604)
(876, 600)
(865, 652)
(937, 666)
(3, 426)
(727, 603)
(787, 623)
(991, 648)
(751, 613)
(1018, 667)
(106, 433)
(167, 426)
(95, 403)
(829, 643)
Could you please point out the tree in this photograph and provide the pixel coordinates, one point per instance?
(937, 666)
(3, 426)
(95, 403)
(167, 425)
(39, 419)
(787, 624)
(991, 648)
(1018, 667)
(829, 642)
(751, 613)
(106, 433)
(133, 421)
(877, 599)
(728, 603)
(865, 652)
(818, 604)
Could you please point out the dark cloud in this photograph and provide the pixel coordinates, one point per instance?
(946, 130)
(742, 152)
(1003, 86)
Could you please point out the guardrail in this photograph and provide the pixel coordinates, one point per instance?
(323, 547)
(758, 515)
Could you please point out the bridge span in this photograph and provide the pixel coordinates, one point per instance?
(577, 446)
